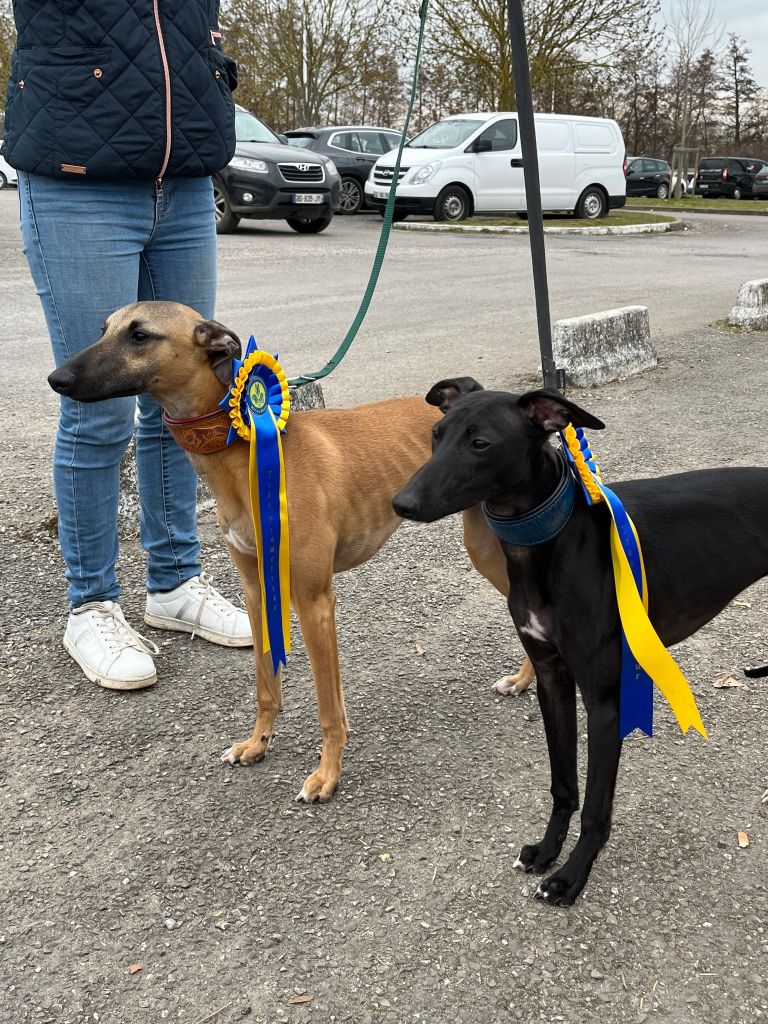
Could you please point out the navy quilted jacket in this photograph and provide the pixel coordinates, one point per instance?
(119, 89)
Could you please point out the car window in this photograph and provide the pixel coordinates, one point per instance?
(753, 166)
(735, 167)
(763, 172)
(649, 166)
(502, 134)
(390, 140)
(711, 164)
(343, 140)
(250, 129)
(370, 142)
(662, 166)
(447, 134)
(303, 141)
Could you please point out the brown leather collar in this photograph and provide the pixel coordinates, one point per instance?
(201, 435)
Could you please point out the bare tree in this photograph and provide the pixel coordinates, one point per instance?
(739, 86)
(302, 59)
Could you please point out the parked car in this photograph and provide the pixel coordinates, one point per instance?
(760, 184)
(472, 163)
(647, 176)
(8, 175)
(732, 176)
(354, 149)
(267, 179)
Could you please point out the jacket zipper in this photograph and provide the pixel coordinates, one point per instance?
(167, 76)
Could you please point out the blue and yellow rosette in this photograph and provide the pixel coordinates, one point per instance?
(644, 658)
(258, 404)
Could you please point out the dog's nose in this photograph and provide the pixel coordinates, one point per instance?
(404, 508)
(61, 380)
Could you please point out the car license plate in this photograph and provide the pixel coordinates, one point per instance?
(381, 195)
(702, 187)
(312, 198)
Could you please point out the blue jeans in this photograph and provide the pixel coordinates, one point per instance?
(93, 247)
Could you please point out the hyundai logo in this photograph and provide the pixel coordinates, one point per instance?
(304, 167)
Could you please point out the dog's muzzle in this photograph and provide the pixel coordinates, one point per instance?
(62, 380)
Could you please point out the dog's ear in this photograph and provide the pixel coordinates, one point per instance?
(222, 346)
(550, 411)
(445, 392)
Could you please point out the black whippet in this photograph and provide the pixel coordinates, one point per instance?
(704, 538)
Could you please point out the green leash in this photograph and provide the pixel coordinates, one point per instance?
(333, 362)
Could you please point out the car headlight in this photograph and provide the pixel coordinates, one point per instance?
(247, 163)
(331, 167)
(423, 174)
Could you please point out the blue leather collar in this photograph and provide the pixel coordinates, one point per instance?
(542, 523)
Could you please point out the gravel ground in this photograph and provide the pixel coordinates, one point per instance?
(143, 881)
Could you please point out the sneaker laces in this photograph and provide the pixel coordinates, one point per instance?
(203, 588)
(118, 636)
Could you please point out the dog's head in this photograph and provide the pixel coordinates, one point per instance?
(489, 446)
(162, 348)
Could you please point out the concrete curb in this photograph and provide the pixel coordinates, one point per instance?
(751, 309)
(604, 347)
(740, 212)
(310, 396)
(473, 229)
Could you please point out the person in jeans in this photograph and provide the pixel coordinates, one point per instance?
(117, 114)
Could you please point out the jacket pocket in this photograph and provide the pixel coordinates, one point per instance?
(224, 71)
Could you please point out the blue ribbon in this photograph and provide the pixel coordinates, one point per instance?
(636, 695)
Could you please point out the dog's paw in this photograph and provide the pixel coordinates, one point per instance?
(317, 788)
(250, 751)
(535, 859)
(765, 797)
(509, 686)
(559, 890)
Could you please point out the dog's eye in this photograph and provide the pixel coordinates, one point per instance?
(479, 444)
(139, 336)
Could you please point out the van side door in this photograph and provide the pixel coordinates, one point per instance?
(554, 142)
(497, 167)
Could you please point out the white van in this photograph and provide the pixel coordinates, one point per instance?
(472, 163)
(8, 175)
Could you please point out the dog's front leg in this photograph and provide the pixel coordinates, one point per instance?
(316, 610)
(602, 703)
(556, 692)
(268, 685)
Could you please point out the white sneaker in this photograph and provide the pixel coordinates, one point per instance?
(197, 608)
(107, 649)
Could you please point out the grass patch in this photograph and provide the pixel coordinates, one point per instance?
(616, 218)
(698, 203)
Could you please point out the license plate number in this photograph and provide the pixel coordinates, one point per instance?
(703, 186)
(381, 195)
(311, 198)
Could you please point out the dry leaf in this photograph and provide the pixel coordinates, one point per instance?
(741, 604)
(743, 840)
(729, 683)
(385, 856)
(420, 649)
(298, 1000)
(134, 968)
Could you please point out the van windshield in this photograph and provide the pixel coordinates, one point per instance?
(447, 134)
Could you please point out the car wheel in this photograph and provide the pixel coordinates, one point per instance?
(3, 180)
(352, 196)
(662, 192)
(452, 204)
(737, 193)
(309, 227)
(226, 220)
(591, 204)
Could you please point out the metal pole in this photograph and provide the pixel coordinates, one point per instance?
(522, 73)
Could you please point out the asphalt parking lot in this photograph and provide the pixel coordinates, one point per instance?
(142, 881)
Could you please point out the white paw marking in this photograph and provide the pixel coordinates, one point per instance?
(229, 756)
(541, 894)
(518, 865)
(505, 686)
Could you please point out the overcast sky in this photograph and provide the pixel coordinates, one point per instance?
(748, 19)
